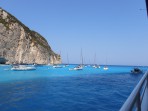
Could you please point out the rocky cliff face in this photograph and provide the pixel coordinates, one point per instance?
(18, 44)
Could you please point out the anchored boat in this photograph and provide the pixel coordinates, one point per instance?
(57, 66)
(79, 67)
(136, 71)
(22, 68)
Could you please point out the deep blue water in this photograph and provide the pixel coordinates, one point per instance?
(49, 89)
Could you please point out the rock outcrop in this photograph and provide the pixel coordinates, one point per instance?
(18, 44)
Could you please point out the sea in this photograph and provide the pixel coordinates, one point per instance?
(60, 89)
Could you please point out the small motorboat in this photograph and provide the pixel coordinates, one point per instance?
(57, 66)
(136, 71)
(105, 68)
(79, 67)
(22, 68)
(66, 65)
(96, 66)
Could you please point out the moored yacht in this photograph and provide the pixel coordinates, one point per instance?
(79, 67)
(105, 68)
(96, 66)
(57, 66)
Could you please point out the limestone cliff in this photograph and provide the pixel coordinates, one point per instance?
(18, 44)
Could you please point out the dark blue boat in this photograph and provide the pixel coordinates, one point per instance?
(136, 71)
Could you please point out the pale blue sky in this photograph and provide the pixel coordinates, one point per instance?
(113, 29)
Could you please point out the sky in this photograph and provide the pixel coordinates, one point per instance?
(116, 31)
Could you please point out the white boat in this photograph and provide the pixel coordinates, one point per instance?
(105, 68)
(79, 67)
(57, 66)
(96, 66)
(66, 65)
(22, 68)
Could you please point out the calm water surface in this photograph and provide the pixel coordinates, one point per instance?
(49, 89)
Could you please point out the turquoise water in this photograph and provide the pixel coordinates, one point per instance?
(58, 89)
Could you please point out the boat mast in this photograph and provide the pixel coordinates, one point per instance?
(81, 57)
(67, 59)
(106, 62)
(95, 59)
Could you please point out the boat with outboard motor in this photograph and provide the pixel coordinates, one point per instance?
(22, 68)
(57, 66)
(79, 67)
(136, 71)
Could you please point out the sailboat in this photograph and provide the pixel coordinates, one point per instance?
(67, 62)
(105, 67)
(79, 67)
(95, 65)
(57, 65)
